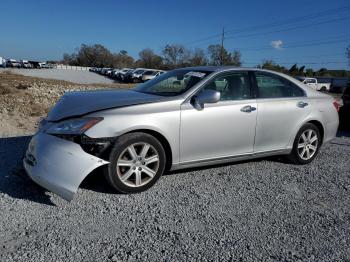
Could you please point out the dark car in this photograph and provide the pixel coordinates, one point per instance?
(344, 112)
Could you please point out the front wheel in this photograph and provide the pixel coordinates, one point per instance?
(306, 145)
(323, 89)
(137, 161)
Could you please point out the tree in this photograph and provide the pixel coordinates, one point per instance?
(98, 56)
(148, 59)
(198, 57)
(94, 55)
(323, 72)
(271, 65)
(294, 70)
(69, 59)
(236, 58)
(309, 72)
(301, 71)
(122, 59)
(174, 55)
(218, 55)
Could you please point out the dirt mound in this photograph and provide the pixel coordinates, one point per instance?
(26, 99)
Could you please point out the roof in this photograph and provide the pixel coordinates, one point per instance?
(221, 68)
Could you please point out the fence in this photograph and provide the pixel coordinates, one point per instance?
(68, 67)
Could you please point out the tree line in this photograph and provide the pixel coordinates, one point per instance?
(172, 56)
(295, 70)
(176, 55)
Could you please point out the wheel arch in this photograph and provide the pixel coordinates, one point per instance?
(163, 140)
(319, 126)
(314, 121)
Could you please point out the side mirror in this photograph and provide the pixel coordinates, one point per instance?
(206, 97)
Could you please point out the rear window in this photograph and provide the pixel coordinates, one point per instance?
(273, 86)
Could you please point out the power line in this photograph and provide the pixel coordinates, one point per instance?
(279, 23)
(292, 28)
(319, 55)
(297, 45)
(292, 20)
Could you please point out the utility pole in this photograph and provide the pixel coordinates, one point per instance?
(222, 46)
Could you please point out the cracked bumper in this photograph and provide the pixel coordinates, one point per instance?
(58, 165)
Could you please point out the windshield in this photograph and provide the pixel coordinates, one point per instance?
(173, 83)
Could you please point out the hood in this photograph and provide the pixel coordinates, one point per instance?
(73, 104)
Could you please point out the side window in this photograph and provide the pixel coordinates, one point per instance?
(310, 81)
(232, 86)
(270, 86)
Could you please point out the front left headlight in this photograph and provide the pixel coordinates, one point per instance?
(73, 126)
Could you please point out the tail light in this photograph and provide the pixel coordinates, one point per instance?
(336, 105)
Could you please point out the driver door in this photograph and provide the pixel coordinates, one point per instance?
(222, 129)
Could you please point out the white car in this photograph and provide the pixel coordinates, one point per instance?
(187, 117)
(150, 74)
(313, 83)
(25, 64)
(13, 63)
(2, 62)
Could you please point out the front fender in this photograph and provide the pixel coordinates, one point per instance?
(163, 119)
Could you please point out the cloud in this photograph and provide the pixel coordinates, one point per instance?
(277, 44)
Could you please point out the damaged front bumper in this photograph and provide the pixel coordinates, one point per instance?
(58, 165)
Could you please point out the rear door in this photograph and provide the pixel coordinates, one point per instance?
(282, 107)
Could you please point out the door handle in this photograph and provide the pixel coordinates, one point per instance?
(248, 109)
(302, 104)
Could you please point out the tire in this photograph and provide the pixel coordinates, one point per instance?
(135, 170)
(298, 155)
(323, 89)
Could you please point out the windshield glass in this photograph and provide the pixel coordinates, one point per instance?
(173, 83)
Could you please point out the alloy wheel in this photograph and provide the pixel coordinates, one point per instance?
(138, 164)
(307, 144)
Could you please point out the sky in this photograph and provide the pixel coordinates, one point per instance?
(314, 33)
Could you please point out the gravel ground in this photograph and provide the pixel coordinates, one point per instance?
(262, 210)
(74, 76)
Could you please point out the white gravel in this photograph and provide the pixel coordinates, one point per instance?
(74, 76)
(261, 210)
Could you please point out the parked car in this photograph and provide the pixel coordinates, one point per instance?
(136, 75)
(109, 71)
(128, 76)
(226, 113)
(13, 63)
(114, 73)
(344, 112)
(2, 62)
(25, 64)
(150, 74)
(123, 73)
(312, 82)
(45, 65)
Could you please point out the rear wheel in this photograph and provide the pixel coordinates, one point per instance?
(323, 89)
(306, 145)
(137, 161)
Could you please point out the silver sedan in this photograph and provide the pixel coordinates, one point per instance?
(187, 117)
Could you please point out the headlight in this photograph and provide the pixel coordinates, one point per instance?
(74, 126)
